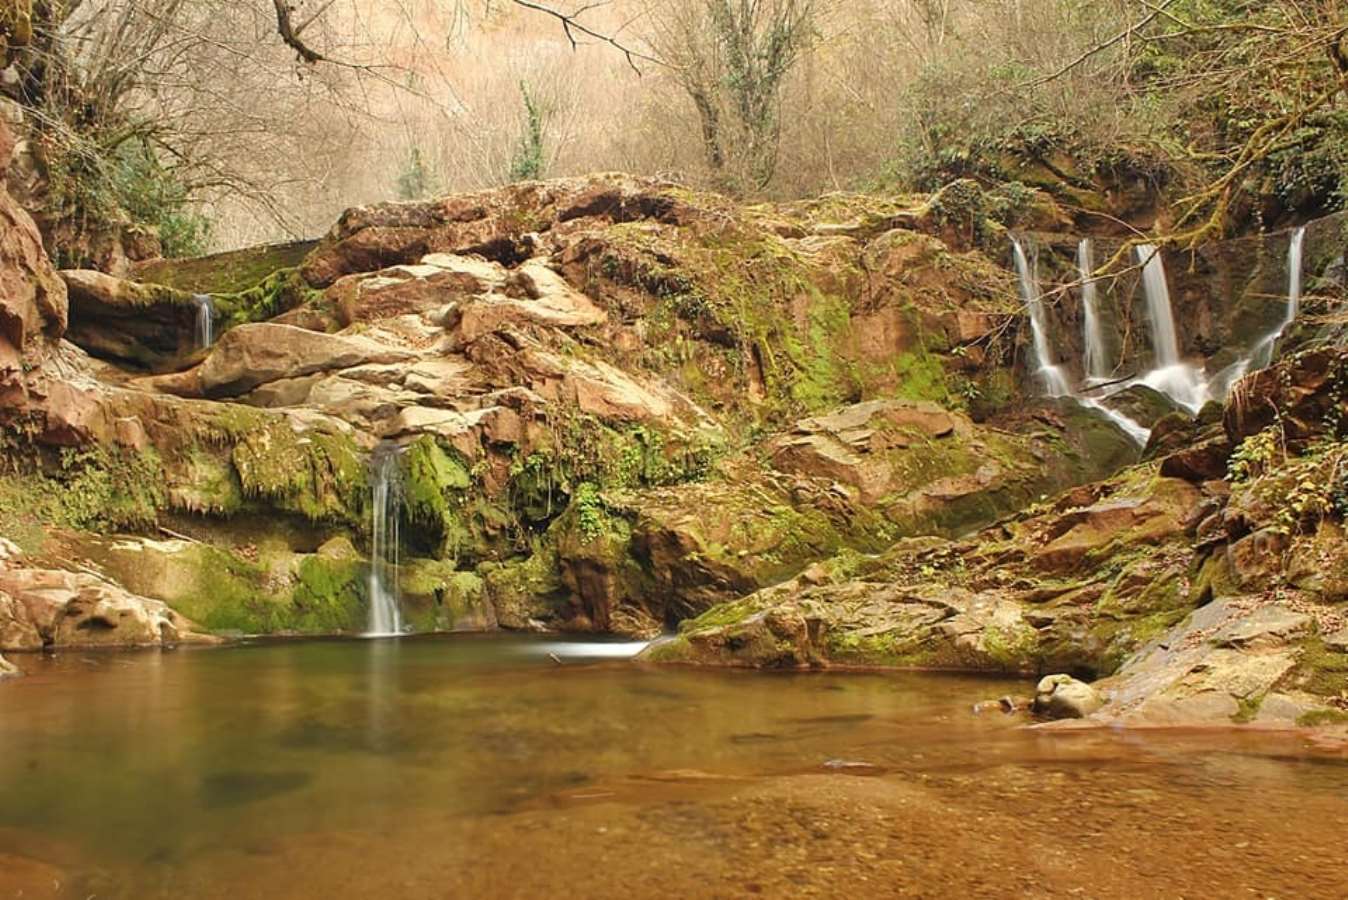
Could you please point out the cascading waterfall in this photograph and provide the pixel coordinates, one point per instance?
(385, 479)
(1096, 366)
(1261, 354)
(1050, 374)
(205, 320)
(1185, 384)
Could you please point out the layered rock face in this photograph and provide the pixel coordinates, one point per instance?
(1197, 593)
(801, 431)
(617, 403)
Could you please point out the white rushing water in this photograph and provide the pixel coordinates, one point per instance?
(1049, 373)
(205, 320)
(385, 480)
(1186, 384)
(1052, 376)
(1261, 353)
(1094, 362)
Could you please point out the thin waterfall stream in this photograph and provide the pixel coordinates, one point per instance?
(1096, 366)
(1261, 353)
(205, 323)
(386, 510)
(1050, 374)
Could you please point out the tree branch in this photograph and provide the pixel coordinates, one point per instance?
(291, 36)
(571, 24)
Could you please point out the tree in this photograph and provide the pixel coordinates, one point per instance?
(731, 59)
(528, 162)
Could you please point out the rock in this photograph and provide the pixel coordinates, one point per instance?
(1216, 666)
(1063, 697)
(1144, 405)
(33, 302)
(1297, 392)
(1338, 641)
(8, 669)
(255, 354)
(1203, 461)
(148, 326)
(75, 609)
(17, 630)
(1257, 558)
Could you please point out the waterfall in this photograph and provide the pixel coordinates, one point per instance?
(1185, 384)
(205, 319)
(385, 618)
(1053, 376)
(1096, 366)
(1049, 373)
(1261, 354)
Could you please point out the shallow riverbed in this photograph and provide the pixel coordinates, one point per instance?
(479, 767)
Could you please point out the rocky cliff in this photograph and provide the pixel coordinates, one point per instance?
(800, 434)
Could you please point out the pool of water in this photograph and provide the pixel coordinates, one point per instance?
(489, 766)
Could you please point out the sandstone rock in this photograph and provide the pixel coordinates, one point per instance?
(1296, 392)
(69, 609)
(254, 354)
(33, 302)
(1078, 532)
(1144, 405)
(1204, 461)
(17, 631)
(1338, 641)
(145, 325)
(1214, 667)
(1063, 697)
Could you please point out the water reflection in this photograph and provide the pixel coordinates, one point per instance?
(166, 768)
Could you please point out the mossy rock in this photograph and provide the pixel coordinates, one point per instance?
(225, 273)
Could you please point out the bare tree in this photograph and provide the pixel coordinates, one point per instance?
(731, 59)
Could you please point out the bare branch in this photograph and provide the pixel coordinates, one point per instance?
(290, 35)
(571, 23)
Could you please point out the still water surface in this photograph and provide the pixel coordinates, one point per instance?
(480, 767)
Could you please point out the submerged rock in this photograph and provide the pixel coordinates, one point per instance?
(1064, 697)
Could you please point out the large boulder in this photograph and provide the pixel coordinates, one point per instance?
(56, 608)
(143, 325)
(255, 354)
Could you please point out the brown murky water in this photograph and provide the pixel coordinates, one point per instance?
(475, 767)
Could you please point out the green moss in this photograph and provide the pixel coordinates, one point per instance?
(525, 589)
(319, 476)
(889, 650)
(1322, 671)
(719, 616)
(1013, 648)
(93, 488)
(225, 273)
(329, 596)
(1321, 717)
(921, 376)
(278, 292)
(434, 484)
(1247, 709)
(228, 595)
